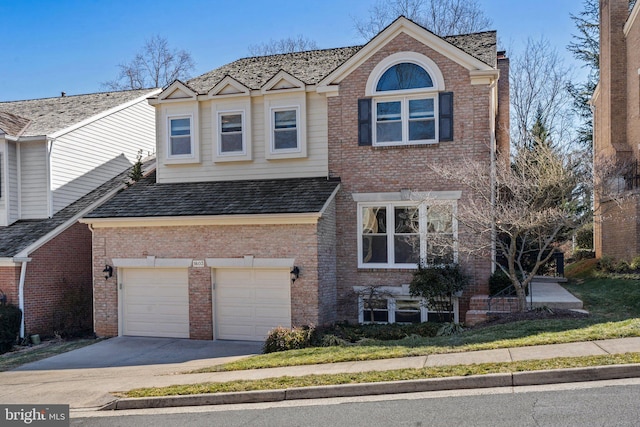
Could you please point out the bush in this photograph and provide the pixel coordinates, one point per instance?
(10, 317)
(283, 339)
(580, 254)
(622, 267)
(606, 264)
(436, 284)
(584, 237)
(349, 333)
(635, 263)
(498, 281)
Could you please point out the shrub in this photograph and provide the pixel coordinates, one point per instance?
(635, 263)
(580, 254)
(10, 317)
(383, 332)
(498, 281)
(283, 339)
(606, 264)
(584, 237)
(622, 267)
(436, 284)
(450, 329)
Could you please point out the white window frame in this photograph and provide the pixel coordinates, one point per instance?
(170, 118)
(391, 308)
(423, 232)
(404, 116)
(272, 134)
(243, 132)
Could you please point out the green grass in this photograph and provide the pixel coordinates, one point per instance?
(614, 305)
(381, 376)
(12, 360)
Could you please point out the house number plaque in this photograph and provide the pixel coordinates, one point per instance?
(197, 263)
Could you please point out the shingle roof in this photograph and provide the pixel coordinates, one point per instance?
(12, 124)
(19, 235)
(49, 115)
(312, 66)
(275, 196)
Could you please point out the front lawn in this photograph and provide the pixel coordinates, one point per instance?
(614, 305)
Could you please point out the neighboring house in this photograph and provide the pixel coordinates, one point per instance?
(616, 105)
(287, 184)
(59, 158)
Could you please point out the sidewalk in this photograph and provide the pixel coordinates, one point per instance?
(91, 388)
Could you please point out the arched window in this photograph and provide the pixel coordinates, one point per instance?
(402, 76)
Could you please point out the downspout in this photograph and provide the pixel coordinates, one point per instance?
(50, 142)
(23, 275)
(492, 126)
(93, 282)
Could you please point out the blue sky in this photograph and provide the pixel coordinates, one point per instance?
(75, 45)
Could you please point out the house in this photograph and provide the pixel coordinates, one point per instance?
(286, 184)
(59, 158)
(616, 106)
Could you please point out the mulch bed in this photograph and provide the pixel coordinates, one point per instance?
(536, 314)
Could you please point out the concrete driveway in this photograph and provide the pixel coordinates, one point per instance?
(86, 378)
(141, 351)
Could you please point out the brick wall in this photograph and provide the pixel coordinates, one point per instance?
(617, 125)
(57, 274)
(10, 282)
(303, 242)
(327, 291)
(385, 169)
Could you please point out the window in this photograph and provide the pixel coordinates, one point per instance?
(400, 235)
(375, 310)
(405, 120)
(285, 130)
(403, 76)
(180, 139)
(231, 133)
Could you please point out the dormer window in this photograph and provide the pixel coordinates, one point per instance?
(285, 129)
(180, 141)
(231, 137)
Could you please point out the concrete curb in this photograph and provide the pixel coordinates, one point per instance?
(555, 376)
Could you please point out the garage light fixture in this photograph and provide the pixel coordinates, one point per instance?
(108, 271)
(295, 273)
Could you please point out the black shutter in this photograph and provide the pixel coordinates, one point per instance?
(364, 121)
(446, 116)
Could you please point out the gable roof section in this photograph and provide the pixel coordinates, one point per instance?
(24, 235)
(49, 116)
(13, 125)
(475, 52)
(276, 196)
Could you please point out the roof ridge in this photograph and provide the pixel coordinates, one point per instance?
(78, 95)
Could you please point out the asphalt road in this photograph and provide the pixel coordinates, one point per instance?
(606, 403)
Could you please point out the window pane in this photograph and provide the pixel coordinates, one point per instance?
(180, 127)
(406, 249)
(374, 220)
(421, 108)
(406, 220)
(440, 219)
(284, 139)
(180, 145)
(231, 123)
(374, 249)
(422, 129)
(407, 317)
(404, 76)
(386, 111)
(440, 250)
(231, 143)
(389, 132)
(376, 308)
(285, 119)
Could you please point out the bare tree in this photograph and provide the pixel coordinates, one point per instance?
(531, 207)
(538, 89)
(286, 45)
(442, 17)
(156, 65)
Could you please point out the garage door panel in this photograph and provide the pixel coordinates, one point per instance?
(155, 302)
(251, 302)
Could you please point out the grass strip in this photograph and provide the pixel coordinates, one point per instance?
(384, 376)
(517, 334)
(18, 358)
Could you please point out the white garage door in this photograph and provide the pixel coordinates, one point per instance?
(250, 302)
(155, 302)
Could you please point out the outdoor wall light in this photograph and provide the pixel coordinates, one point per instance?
(295, 273)
(108, 271)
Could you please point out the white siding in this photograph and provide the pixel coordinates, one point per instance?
(33, 180)
(85, 158)
(12, 197)
(315, 164)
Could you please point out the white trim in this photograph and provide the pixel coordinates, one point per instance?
(179, 221)
(297, 85)
(272, 129)
(242, 90)
(152, 262)
(9, 262)
(248, 261)
(405, 116)
(410, 57)
(329, 200)
(104, 114)
(170, 118)
(410, 196)
(164, 94)
(228, 107)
